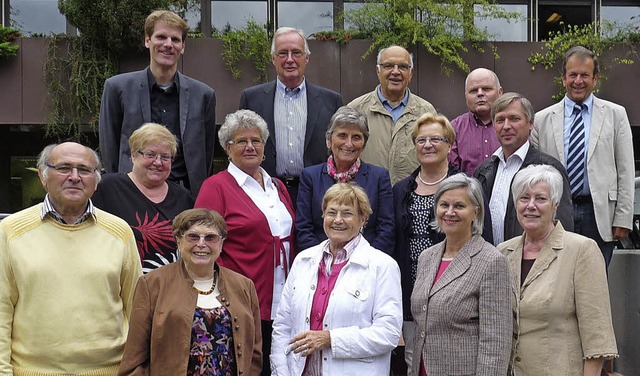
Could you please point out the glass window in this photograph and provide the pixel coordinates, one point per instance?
(348, 7)
(237, 13)
(499, 28)
(623, 15)
(37, 16)
(311, 17)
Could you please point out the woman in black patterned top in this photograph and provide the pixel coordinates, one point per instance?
(432, 136)
(144, 197)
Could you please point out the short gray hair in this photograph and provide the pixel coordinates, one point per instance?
(241, 119)
(286, 30)
(45, 156)
(474, 191)
(345, 116)
(534, 174)
(379, 61)
(581, 53)
(505, 101)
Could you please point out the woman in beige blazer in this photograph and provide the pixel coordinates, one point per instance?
(560, 293)
(461, 299)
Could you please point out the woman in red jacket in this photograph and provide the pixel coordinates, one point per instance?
(258, 212)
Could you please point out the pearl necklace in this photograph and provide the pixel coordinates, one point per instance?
(430, 184)
(208, 292)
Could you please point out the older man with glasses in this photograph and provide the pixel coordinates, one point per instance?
(67, 275)
(391, 109)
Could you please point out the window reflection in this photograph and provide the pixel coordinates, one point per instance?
(311, 17)
(499, 28)
(237, 13)
(37, 16)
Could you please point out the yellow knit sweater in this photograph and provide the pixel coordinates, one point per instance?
(65, 294)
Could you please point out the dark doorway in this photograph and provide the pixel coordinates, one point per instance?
(557, 17)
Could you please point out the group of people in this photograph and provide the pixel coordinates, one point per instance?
(334, 234)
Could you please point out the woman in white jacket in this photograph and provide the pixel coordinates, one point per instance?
(341, 308)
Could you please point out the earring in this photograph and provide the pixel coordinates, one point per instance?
(264, 157)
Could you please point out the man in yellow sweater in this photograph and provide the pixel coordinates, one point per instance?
(67, 275)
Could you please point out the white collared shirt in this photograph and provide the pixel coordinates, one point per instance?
(502, 186)
(277, 215)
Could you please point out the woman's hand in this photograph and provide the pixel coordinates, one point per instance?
(310, 341)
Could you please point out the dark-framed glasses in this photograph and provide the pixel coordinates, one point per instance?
(432, 140)
(152, 156)
(210, 238)
(67, 169)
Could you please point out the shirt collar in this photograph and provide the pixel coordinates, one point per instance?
(282, 88)
(152, 80)
(48, 209)
(570, 104)
(384, 100)
(521, 152)
(479, 123)
(342, 255)
(241, 176)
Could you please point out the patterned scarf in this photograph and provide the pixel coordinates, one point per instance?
(349, 175)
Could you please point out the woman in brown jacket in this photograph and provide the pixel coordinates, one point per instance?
(194, 317)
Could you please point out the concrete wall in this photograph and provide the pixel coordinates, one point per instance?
(23, 99)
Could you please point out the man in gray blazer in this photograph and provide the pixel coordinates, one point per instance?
(592, 138)
(296, 111)
(160, 94)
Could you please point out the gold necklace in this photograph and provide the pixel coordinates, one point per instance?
(208, 292)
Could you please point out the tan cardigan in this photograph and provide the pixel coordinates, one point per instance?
(562, 310)
(162, 317)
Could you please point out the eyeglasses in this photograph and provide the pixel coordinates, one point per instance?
(388, 67)
(296, 54)
(66, 169)
(432, 140)
(242, 143)
(347, 215)
(192, 237)
(152, 156)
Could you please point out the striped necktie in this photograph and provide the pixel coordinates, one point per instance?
(575, 158)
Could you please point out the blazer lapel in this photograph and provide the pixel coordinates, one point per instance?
(459, 265)
(547, 255)
(267, 110)
(558, 129)
(184, 103)
(145, 97)
(313, 108)
(597, 122)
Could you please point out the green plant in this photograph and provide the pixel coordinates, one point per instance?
(589, 36)
(441, 27)
(249, 43)
(7, 36)
(77, 66)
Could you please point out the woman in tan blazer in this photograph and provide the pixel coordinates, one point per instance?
(560, 293)
(461, 299)
(194, 317)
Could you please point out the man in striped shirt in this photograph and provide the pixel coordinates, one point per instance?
(296, 111)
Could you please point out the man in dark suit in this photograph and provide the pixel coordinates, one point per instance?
(512, 116)
(297, 112)
(160, 94)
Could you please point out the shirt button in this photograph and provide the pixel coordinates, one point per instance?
(424, 308)
(485, 141)
(517, 359)
(421, 334)
(313, 287)
(290, 143)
